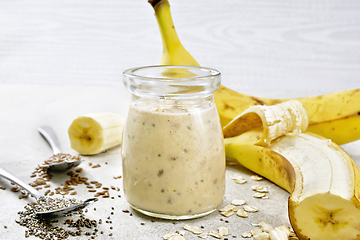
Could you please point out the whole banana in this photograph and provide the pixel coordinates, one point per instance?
(334, 115)
(321, 177)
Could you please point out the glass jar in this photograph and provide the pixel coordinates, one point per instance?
(173, 151)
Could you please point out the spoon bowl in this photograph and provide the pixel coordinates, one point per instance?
(62, 166)
(59, 162)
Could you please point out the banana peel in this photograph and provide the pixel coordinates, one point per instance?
(340, 131)
(322, 179)
(335, 116)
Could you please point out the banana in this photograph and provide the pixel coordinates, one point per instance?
(174, 52)
(334, 115)
(340, 131)
(327, 107)
(95, 133)
(323, 181)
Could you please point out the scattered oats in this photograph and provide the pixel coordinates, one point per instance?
(259, 195)
(227, 214)
(240, 181)
(204, 235)
(280, 233)
(170, 236)
(178, 237)
(234, 177)
(262, 236)
(192, 229)
(224, 231)
(249, 208)
(246, 235)
(181, 232)
(235, 209)
(227, 208)
(265, 227)
(265, 197)
(259, 189)
(256, 231)
(215, 234)
(238, 202)
(256, 177)
(242, 213)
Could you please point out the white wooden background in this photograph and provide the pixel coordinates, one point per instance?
(63, 58)
(258, 45)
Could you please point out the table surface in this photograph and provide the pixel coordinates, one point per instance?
(62, 59)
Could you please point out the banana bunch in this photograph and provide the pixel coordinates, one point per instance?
(95, 133)
(269, 140)
(335, 116)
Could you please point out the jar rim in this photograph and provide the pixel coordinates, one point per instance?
(172, 81)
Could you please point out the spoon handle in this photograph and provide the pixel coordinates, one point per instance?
(27, 187)
(48, 133)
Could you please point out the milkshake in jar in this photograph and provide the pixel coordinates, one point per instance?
(173, 150)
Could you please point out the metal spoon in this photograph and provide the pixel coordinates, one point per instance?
(37, 195)
(48, 133)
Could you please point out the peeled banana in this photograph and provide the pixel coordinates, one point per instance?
(95, 133)
(335, 115)
(323, 180)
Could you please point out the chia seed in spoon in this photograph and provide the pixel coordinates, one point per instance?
(43, 227)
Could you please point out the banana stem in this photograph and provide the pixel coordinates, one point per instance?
(166, 24)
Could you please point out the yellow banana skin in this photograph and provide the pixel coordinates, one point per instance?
(261, 160)
(174, 52)
(340, 131)
(334, 115)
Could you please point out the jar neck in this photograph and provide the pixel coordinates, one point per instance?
(175, 82)
(169, 103)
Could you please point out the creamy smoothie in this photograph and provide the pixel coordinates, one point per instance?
(173, 160)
